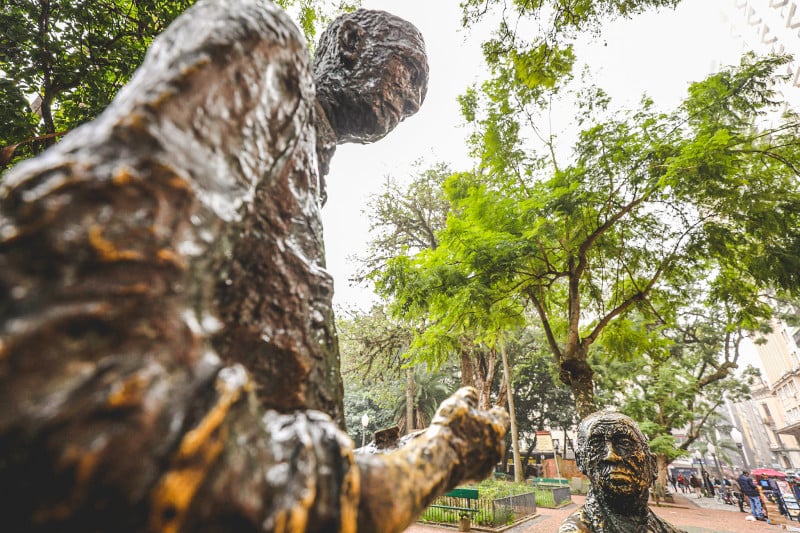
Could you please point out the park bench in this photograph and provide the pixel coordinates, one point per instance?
(464, 508)
(549, 481)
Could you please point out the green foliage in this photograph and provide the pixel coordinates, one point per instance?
(69, 59)
(360, 399)
(430, 390)
(649, 203)
(541, 401)
(313, 16)
(405, 218)
(72, 57)
(533, 39)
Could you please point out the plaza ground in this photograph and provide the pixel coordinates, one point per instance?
(701, 515)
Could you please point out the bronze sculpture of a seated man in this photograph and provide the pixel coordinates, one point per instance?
(613, 453)
(168, 358)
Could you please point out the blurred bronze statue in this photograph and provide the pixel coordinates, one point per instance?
(168, 357)
(614, 455)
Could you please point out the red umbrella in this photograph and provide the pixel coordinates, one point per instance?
(769, 472)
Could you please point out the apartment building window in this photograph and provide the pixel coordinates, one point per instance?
(767, 415)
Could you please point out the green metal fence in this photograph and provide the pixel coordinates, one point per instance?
(482, 512)
(551, 497)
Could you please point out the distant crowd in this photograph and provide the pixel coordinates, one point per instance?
(744, 490)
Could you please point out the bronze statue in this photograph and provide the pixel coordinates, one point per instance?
(168, 359)
(614, 454)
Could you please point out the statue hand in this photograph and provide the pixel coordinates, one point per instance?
(477, 436)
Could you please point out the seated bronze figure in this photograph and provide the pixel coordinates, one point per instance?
(168, 357)
(614, 455)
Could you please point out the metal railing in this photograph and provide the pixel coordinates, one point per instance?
(482, 512)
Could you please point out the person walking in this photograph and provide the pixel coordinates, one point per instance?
(750, 490)
(682, 483)
(697, 485)
(737, 493)
(707, 484)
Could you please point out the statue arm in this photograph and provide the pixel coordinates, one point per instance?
(462, 444)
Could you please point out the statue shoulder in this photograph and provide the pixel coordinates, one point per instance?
(575, 523)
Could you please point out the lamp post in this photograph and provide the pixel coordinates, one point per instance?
(364, 424)
(699, 457)
(713, 451)
(736, 435)
(704, 476)
(555, 457)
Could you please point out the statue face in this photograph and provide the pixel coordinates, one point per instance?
(397, 94)
(371, 72)
(616, 457)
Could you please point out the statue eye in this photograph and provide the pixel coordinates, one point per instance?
(596, 442)
(624, 443)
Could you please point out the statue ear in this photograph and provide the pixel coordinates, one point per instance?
(351, 39)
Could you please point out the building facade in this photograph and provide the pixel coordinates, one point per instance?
(770, 421)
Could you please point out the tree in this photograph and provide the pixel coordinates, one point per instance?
(61, 62)
(378, 375)
(532, 44)
(72, 57)
(675, 378)
(542, 401)
(647, 201)
(405, 218)
(430, 389)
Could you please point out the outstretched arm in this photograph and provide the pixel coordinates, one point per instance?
(462, 444)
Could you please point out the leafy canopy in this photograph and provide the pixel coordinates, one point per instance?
(63, 61)
(647, 202)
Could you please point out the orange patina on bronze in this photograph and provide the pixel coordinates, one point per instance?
(196, 454)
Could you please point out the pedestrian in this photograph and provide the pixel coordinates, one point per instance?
(751, 492)
(672, 482)
(682, 483)
(707, 485)
(737, 493)
(697, 485)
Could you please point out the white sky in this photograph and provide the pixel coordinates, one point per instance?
(658, 53)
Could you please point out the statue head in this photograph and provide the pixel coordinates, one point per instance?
(371, 72)
(614, 454)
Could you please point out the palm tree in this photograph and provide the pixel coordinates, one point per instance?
(716, 430)
(426, 391)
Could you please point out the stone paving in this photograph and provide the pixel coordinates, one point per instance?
(695, 515)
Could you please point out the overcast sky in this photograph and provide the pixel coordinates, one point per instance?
(659, 53)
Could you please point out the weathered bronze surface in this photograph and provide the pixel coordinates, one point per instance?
(614, 454)
(168, 360)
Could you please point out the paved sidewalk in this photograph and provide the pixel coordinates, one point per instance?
(701, 515)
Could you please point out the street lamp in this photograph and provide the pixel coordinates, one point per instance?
(555, 457)
(713, 451)
(699, 457)
(364, 424)
(736, 435)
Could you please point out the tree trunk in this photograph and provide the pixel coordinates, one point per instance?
(660, 491)
(519, 475)
(477, 370)
(409, 400)
(578, 375)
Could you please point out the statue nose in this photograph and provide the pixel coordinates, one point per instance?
(611, 453)
(411, 105)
